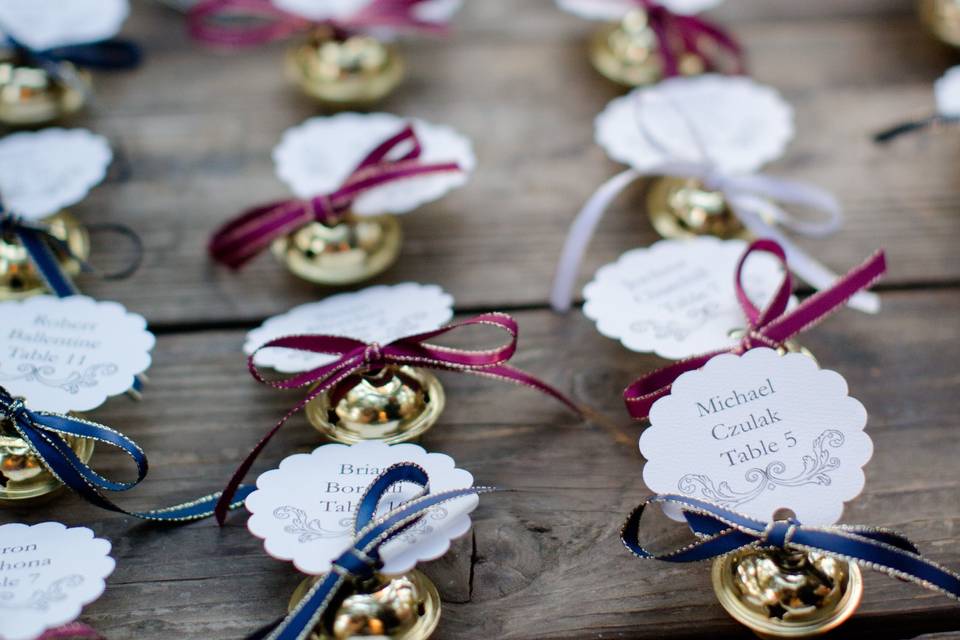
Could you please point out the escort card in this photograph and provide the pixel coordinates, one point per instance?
(376, 314)
(318, 155)
(677, 298)
(44, 171)
(759, 432)
(70, 354)
(46, 24)
(304, 510)
(47, 574)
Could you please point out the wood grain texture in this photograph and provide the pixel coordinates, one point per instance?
(544, 561)
(194, 129)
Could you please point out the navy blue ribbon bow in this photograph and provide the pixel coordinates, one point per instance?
(106, 55)
(362, 560)
(45, 433)
(720, 531)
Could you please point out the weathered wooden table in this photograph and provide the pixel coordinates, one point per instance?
(193, 130)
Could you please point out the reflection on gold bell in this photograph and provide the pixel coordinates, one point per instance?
(344, 252)
(22, 476)
(30, 96)
(943, 18)
(787, 594)
(628, 53)
(403, 608)
(19, 278)
(683, 207)
(395, 404)
(345, 72)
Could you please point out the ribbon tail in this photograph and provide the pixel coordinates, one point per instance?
(46, 262)
(72, 631)
(115, 53)
(802, 264)
(506, 372)
(581, 231)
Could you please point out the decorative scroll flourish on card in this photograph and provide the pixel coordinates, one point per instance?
(816, 470)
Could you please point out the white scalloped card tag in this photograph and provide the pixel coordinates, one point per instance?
(439, 11)
(615, 9)
(46, 24)
(759, 432)
(676, 298)
(946, 90)
(44, 171)
(70, 354)
(316, 157)
(304, 510)
(382, 313)
(48, 572)
(737, 123)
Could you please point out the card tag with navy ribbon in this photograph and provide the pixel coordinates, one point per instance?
(71, 354)
(304, 510)
(759, 432)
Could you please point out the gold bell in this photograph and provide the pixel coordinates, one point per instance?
(395, 404)
(943, 18)
(628, 53)
(402, 608)
(684, 207)
(22, 476)
(787, 594)
(30, 96)
(19, 278)
(349, 250)
(355, 71)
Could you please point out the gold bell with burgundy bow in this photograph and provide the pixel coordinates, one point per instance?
(352, 174)
(345, 58)
(645, 41)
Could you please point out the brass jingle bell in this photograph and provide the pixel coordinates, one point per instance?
(787, 594)
(395, 404)
(683, 207)
(30, 96)
(349, 72)
(943, 18)
(350, 250)
(628, 53)
(402, 608)
(23, 478)
(19, 278)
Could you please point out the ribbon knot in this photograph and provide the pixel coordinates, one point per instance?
(397, 158)
(778, 533)
(356, 563)
(770, 327)
(357, 357)
(373, 355)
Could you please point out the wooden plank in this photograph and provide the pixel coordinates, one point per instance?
(547, 562)
(195, 128)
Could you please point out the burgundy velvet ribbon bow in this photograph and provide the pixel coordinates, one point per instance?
(242, 238)
(690, 34)
(209, 21)
(771, 327)
(357, 357)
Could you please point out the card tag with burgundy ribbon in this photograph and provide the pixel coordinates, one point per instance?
(365, 164)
